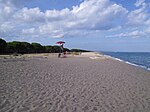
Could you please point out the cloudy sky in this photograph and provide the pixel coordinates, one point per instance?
(100, 25)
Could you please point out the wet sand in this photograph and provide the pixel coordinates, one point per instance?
(85, 83)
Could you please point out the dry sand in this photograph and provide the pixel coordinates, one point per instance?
(86, 83)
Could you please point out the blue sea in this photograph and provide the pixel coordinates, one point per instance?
(141, 59)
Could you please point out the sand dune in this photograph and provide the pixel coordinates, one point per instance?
(73, 84)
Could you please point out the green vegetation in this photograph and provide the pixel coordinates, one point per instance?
(78, 50)
(3, 45)
(38, 48)
(25, 47)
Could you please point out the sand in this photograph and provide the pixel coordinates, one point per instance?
(89, 82)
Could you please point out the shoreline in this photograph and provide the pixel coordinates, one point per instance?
(127, 62)
(98, 55)
(91, 55)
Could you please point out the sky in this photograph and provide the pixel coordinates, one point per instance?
(98, 25)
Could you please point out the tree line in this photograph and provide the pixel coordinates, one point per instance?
(25, 47)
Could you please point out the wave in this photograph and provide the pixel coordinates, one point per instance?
(133, 64)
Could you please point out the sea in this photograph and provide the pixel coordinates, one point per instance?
(141, 59)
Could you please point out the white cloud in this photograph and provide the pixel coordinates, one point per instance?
(90, 16)
(97, 15)
(133, 34)
(5, 27)
(101, 14)
(28, 31)
(148, 30)
(58, 36)
(138, 16)
(6, 10)
(55, 15)
(29, 15)
(138, 19)
(139, 3)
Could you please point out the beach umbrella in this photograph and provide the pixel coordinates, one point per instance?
(60, 42)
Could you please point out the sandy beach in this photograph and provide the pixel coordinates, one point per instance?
(89, 82)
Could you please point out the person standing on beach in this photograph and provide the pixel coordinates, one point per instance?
(61, 48)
